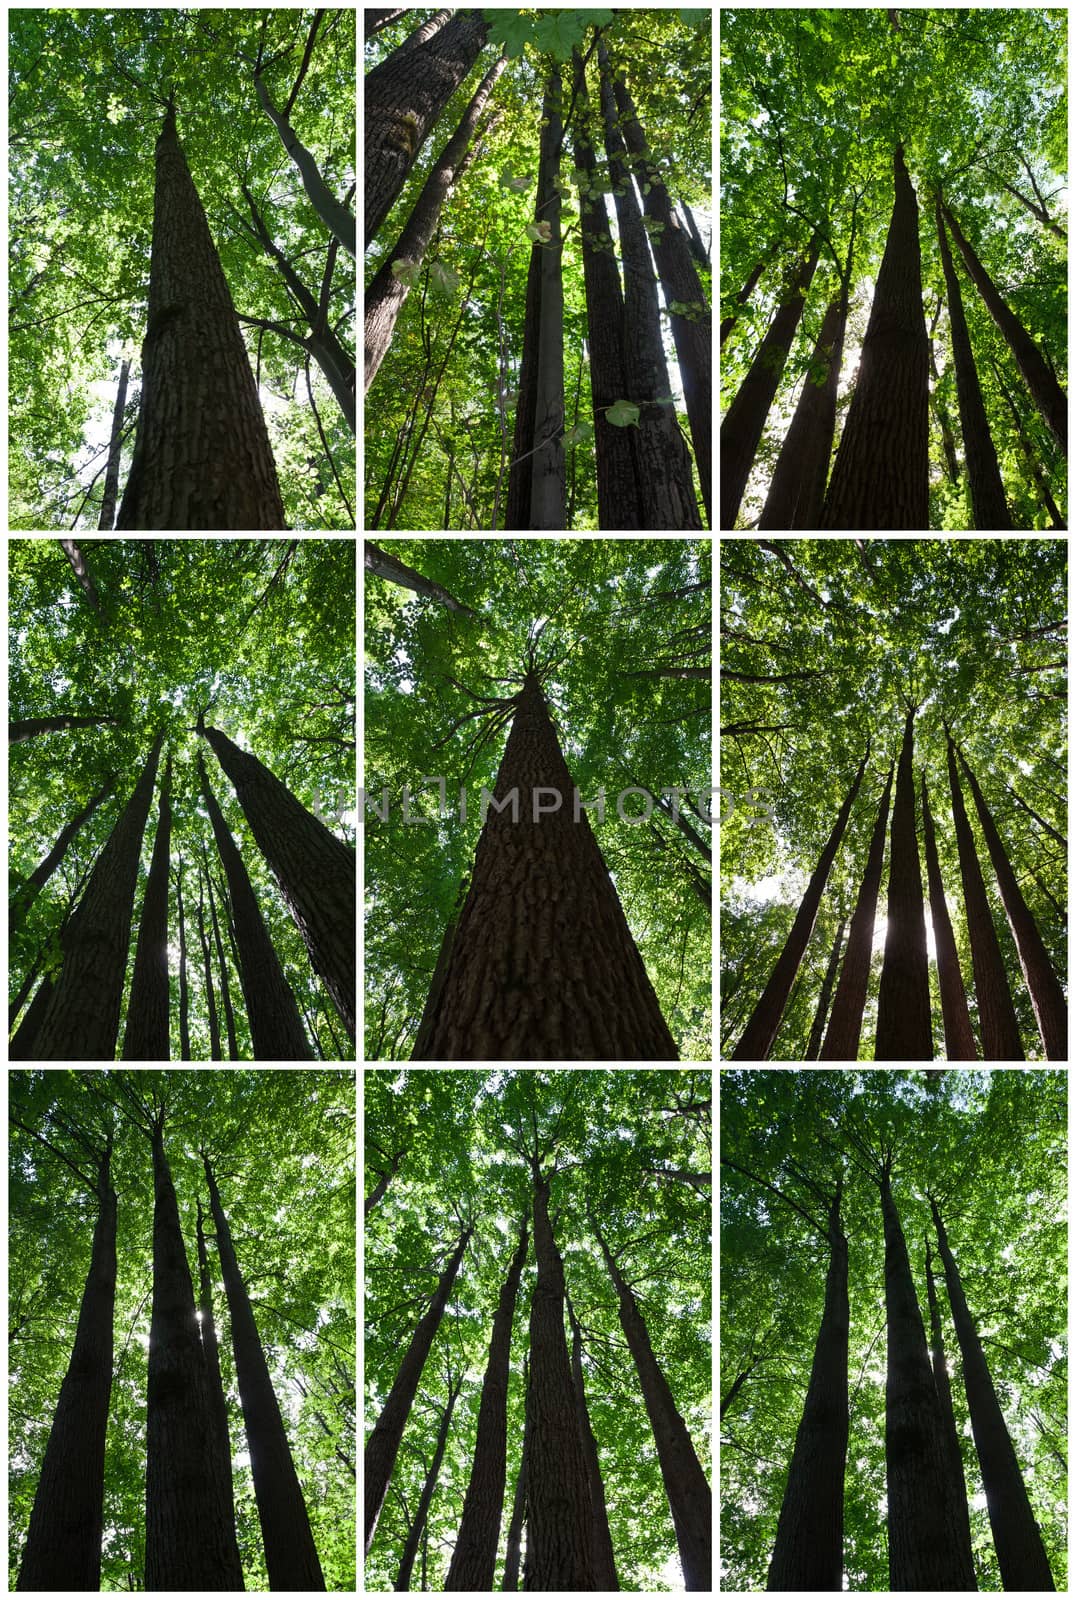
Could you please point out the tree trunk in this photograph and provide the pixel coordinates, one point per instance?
(381, 1450)
(691, 326)
(438, 977)
(904, 1028)
(881, 476)
(765, 1019)
(291, 1558)
(1045, 492)
(989, 509)
(403, 97)
(185, 1034)
(190, 1532)
(517, 1511)
(926, 1547)
(547, 497)
(544, 966)
(472, 1565)
(744, 423)
(202, 456)
(519, 476)
(29, 890)
(845, 1024)
(208, 1334)
(694, 240)
(208, 981)
(83, 1019)
(684, 1482)
(959, 1037)
(315, 871)
(727, 323)
(561, 1551)
(112, 471)
(223, 971)
(403, 1581)
(277, 1034)
(797, 492)
(997, 1016)
(938, 404)
(146, 1033)
(664, 471)
(817, 1027)
(22, 1045)
(1017, 1540)
(809, 1548)
(1045, 389)
(31, 727)
(384, 565)
(376, 21)
(387, 294)
(603, 1554)
(956, 1484)
(1047, 998)
(82, 572)
(63, 1543)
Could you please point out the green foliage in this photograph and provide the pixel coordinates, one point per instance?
(623, 414)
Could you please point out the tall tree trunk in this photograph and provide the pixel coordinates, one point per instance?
(472, 1565)
(519, 475)
(544, 966)
(845, 1023)
(664, 472)
(315, 871)
(422, 1042)
(956, 1484)
(112, 471)
(904, 1028)
(881, 476)
(603, 1553)
(694, 239)
(1045, 389)
(727, 323)
(959, 1036)
(685, 1483)
(926, 1546)
(82, 572)
(292, 1561)
(211, 1355)
(1017, 1540)
(185, 1033)
(517, 1510)
(403, 1581)
(809, 1548)
(146, 1033)
(83, 1018)
(208, 980)
(547, 462)
(384, 565)
(1039, 477)
(403, 97)
(1044, 987)
(381, 1450)
(939, 405)
(63, 1543)
(223, 969)
(202, 456)
(797, 492)
(277, 1034)
(765, 1019)
(989, 508)
(31, 727)
(22, 1045)
(744, 423)
(561, 1551)
(387, 293)
(691, 326)
(817, 1027)
(190, 1532)
(997, 1016)
(29, 890)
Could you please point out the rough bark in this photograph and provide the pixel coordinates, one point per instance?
(112, 471)
(384, 565)
(83, 1019)
(765, 1019)
(797, 491)
(472, 1565)
(989, 509)
(517, 1510)
(292, 1561)
(219, 1416)
(544, 966)
(817, 1027)
(202, 457)
(31, 727)
(381, 1450)
(881, 475)
(315, 871)
(1020, 1550)
(904, 1028)
(277, 1034)
(22, 1045)
(403, 1581)
(997, 1015)
(955, 1482)
(224, 987)
(29, 890)
(959, 1035)
(744, 422)
(422, 1042)
(208, 980)
(146, 1031)
(603, 1553)
(547, 462)
(845, 1023)
(82, 572)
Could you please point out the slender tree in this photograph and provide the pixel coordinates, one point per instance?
(211, 1354)
(32, 727)
(146, 1031)
(728, 323)
(1038, 476)
(904, 1028)
(224, 986)
(31, 887)
(208, 979)
(797, 491)
(603, 1553)
(955, 1482)
(959, 1036)
(81, 569)
(821, 1013)
(418, 1524)
(547, 460)
(112, 471)
(185, 1034)
(376, 21)
(845, 1021)
(517, 1509)
(939, 403)
(519, 474)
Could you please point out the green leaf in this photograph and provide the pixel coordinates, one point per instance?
(406, 272)
(623, 414)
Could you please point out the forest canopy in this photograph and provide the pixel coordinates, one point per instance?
(236, 654)
(893, 277)
(538, 1193)
(847, 667)
(538, 265)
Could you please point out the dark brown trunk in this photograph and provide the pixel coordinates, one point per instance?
(376, 21)
(403, 1581)
(31, 727)
(387, 566)
(760, 1032)
(146, 1033)
(473, 1563)
(881, 476)
(797, 492)
(202, 456)
(694, 239)
(224, 987)
(29, 890)
(519, 476)
(211, 1355)
(997, 1015)
(959, 1036)
(955, 1482)
(547, 461)
(904, 1028)
(1020, 1550)
(517, 1510)
(544, 966)
(817, 1027)
(727, 323)
(23, 1043)
(292, 1561)
(112, 471)
(208, 981)
(185, 1032)
(603, 1554)
(381, 1450)
(845, 1024)
(82, 571)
